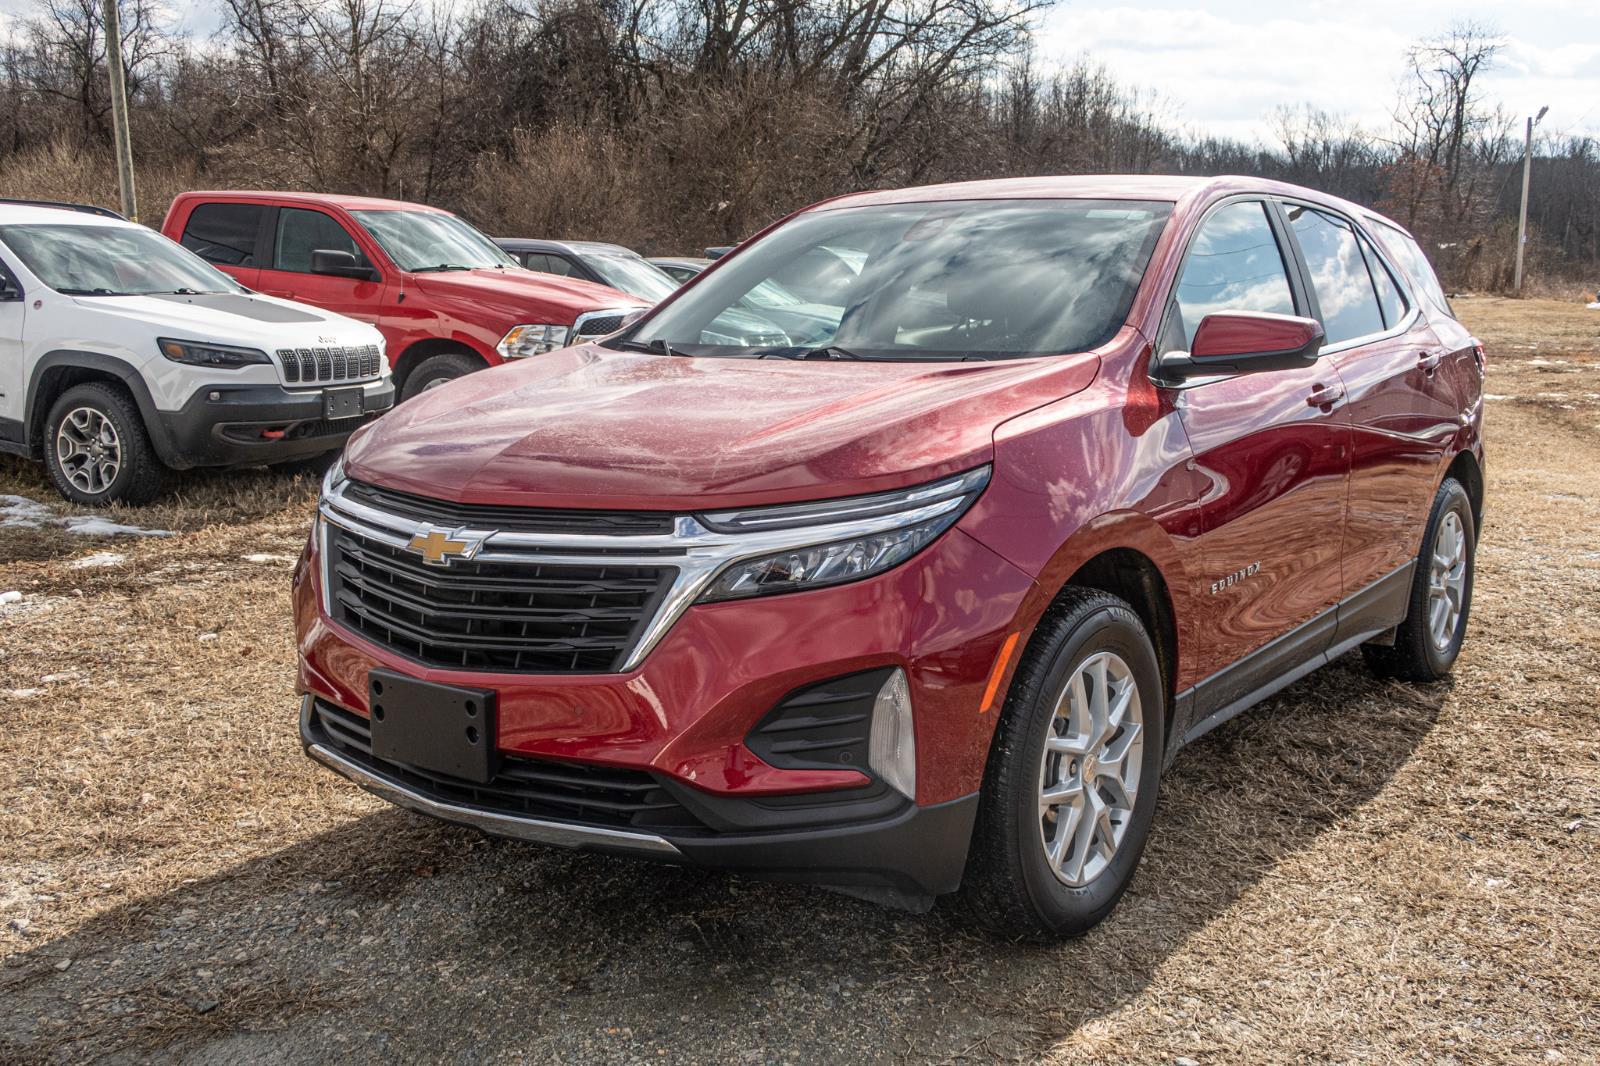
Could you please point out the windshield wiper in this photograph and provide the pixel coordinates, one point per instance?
(827, 351)
(185, 292)
(91, 292)
(655, 347)
(439, 267)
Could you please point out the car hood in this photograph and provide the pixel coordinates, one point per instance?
(587, 426)
(246, 319)
(517, 292)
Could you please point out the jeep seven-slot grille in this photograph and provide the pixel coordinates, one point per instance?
(537, 788)
(308, 366)
(541, 618)
(509, 519)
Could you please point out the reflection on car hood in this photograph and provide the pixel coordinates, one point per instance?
(588, 426)
(247, 319)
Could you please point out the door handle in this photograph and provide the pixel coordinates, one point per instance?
(1325, 395)
(1429, 361)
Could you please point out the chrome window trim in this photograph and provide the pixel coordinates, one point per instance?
(696, 553)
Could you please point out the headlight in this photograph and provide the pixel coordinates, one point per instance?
(219, 356)
(335, 478)
(893, 526)
(524, 341)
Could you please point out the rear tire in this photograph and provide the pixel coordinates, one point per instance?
(1058, 837)
(1427, 643)
(96, 448)
(438, 370)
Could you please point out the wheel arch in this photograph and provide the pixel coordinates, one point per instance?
(57, 371)
(429, 347)
(1466, 469)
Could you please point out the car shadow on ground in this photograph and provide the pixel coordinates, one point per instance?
(394, 938)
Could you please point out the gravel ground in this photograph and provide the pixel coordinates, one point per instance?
(1355, 870)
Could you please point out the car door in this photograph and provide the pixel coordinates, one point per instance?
(1401, 424)
(228, 235)
(1274, 450)
(13, 311)
(299, 231)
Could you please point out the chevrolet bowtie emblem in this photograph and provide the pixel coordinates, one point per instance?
(438, 548)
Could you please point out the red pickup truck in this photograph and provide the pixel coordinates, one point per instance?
(445, 297)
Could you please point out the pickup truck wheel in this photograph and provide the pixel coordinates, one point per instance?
(1070, 788)
(1427, 643)
(97, 450)
(436, 370)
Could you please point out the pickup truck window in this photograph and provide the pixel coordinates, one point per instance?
(432, 240)
(111, 261)
(224, 233)
(301, 232)
(957, 279)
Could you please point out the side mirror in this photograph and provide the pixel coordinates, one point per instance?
(340, 265)
(1247, 342)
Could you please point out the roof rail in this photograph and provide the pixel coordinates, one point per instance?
(88, 209)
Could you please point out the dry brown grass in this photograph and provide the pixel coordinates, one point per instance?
(1355, 871)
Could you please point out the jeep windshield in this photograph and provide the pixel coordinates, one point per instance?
(968, 279)
(78, 260)
(425, 241)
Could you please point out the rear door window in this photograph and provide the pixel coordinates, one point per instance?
(301, 232)
(1345, 293)
(223, 233)
(1233, 264)
(1390, 297)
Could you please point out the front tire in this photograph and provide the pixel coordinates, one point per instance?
(1070, 788)
(1427, 643)
(438, 370)
(96, 448)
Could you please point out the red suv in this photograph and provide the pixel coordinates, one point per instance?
(445, 297)
(1037, 481)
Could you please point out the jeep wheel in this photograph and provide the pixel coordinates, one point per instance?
(1427, 642)
(97, 450)
(438, 370)
(1070, 789)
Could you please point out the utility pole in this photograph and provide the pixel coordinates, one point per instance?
(119, 110)
(1527, 172)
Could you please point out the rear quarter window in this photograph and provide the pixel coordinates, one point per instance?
(224, 234)
(1409, 254)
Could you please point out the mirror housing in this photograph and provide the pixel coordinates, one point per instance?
(339, 264)
(1247, 342)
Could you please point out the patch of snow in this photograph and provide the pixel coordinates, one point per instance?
(1495, 396)
(1594, 306)
(265, 557)
(23, 693)
(11, 597)
(19, 512)
(207, 638)
(98, 559)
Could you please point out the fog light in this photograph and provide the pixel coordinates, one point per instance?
(892, 751)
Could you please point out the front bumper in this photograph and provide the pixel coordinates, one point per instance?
(896, 853)
(242, 425)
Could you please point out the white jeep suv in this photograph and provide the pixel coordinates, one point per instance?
(123, 355)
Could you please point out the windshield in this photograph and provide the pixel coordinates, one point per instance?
(431, 240)
(111, 260)
(631, 274)
(949, 280)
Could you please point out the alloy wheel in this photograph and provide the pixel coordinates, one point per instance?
(1089, 774)
(88, 450)
(1447, 580)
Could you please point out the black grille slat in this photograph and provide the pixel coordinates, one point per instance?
(502, 617)
(317, 366)
(542, 788)
(507, 518)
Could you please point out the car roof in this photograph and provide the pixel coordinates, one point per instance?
(1168, 188)
(321, 199)
(18, 213)
(538, 244)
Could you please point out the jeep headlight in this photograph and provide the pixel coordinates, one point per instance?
(857, 537)
(216, 356)
(524, 341)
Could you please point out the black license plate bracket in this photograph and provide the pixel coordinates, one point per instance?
(439, 728)
(342, 403)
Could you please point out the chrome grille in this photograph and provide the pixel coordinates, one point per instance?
(593, 324)
(543, 618)
(317, 366)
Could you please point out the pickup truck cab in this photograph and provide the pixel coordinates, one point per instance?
(447, 300)
(123, 356)
(919, 593)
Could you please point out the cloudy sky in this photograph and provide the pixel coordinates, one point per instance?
(1223, 66)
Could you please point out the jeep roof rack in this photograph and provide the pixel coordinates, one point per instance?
(88, 209)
